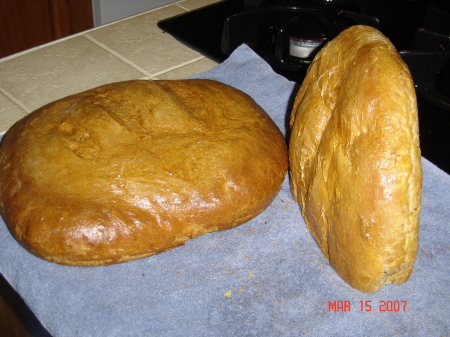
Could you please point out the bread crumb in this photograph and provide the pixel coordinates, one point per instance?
(251, 274)
(228, 293)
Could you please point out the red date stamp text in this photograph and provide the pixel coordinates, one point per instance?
(386, 306)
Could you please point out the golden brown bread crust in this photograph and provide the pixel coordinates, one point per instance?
(355, 159)
(131, 169)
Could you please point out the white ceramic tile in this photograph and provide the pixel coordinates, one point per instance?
(188, 70)
(9, 113)
(128, 49)
(139, 40)
(61, 69)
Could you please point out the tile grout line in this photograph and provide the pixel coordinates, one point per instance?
(179, 5)
(15, 100)
(44, 45)
(201, 57)
(132, 64)
(116, 54)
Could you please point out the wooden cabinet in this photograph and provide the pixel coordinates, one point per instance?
(16, 319)
(28, 23)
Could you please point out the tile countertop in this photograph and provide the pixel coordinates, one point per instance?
(132, 48)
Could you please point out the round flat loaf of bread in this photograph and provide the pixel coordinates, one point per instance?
(131, 169)
(355, 160)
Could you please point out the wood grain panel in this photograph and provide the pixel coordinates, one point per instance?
(16, 319)
(29, 23)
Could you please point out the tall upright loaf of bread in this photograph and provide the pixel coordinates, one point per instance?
(355, 160)
(132, 169)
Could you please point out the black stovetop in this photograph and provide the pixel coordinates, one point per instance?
(419, 29)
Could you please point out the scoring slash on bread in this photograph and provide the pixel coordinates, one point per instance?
(132, 169)
(355, 162)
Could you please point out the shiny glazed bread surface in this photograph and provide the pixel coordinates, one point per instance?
(355, 160)
(131, 169)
